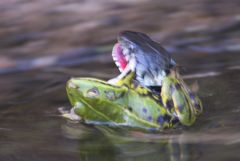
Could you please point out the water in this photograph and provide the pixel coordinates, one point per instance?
(31, 127)
(40, 40)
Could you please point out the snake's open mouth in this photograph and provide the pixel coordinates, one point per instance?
(120, 56)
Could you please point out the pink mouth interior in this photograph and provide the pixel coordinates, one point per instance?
(120, 58)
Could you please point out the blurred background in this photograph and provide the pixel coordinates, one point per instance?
(44, 33)
(45, 42)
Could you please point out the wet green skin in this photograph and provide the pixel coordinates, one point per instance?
(126, 104)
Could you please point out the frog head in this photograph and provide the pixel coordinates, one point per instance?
(90, 88)
(89, 96)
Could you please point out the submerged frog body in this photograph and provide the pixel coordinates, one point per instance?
(127, 104)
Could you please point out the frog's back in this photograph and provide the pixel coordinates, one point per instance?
(148, 106)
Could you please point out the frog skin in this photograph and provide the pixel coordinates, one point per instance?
(179, 99)
(136, 52)
(128, 104)
(123, 104)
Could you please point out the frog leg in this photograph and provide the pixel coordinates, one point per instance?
(190, 93)
(177, 98)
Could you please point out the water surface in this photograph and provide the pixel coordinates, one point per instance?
(31, 127)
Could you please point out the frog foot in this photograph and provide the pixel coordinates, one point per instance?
(71, 115)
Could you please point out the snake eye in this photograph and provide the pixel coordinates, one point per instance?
(93, 92)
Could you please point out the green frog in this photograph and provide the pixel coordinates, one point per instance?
(127, 100)
(126, 104)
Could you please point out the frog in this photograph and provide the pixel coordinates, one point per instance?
(129, 99)
(136, 51)
(128, 104)
(96, 101)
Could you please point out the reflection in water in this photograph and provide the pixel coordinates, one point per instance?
(135, 145)
(106, 143)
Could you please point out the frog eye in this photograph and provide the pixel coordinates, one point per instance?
(93, 92)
